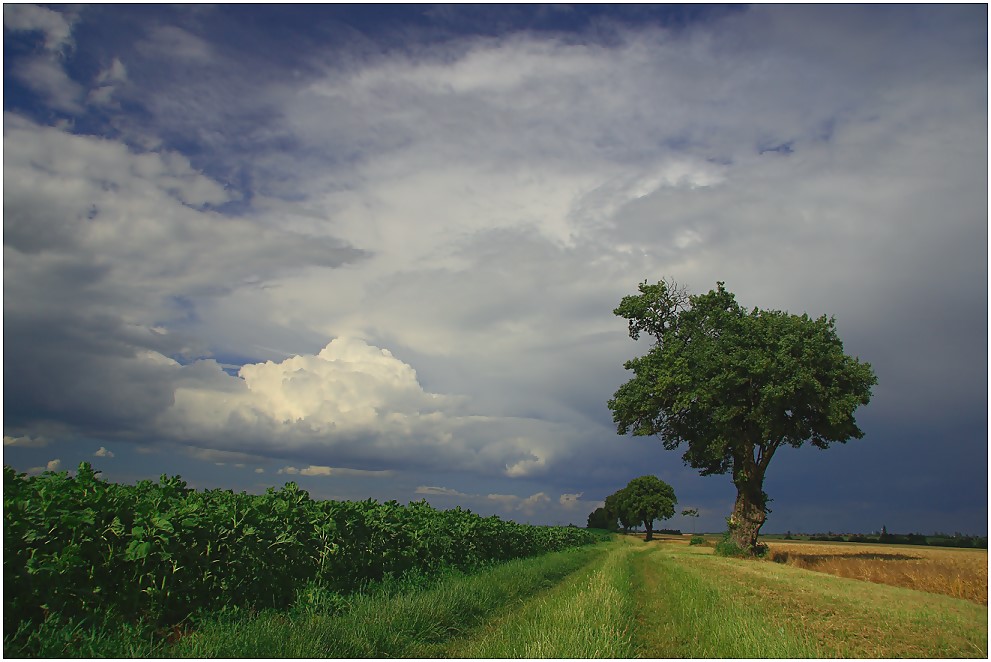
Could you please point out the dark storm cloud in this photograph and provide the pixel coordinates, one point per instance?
(474, 189)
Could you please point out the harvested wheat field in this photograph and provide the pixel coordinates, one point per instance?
(961, 573)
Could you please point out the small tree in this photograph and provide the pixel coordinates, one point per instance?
(694, 514)
(650, 498)
(617, 507)
(599, 519)
(735, 386)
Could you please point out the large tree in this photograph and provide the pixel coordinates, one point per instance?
(733, 386)
(649, 498)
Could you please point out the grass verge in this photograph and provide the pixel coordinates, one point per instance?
(105, 636)
(386, 624)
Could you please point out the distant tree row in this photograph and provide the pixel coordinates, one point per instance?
(905, 539)
(642, 501)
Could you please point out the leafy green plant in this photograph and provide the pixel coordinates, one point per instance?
(727, 546)
(314, 598)
(78, 547)
(697, 540)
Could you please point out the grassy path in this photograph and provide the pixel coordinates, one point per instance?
(588, 615)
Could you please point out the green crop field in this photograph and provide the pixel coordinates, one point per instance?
(84, 557)
(155, 570)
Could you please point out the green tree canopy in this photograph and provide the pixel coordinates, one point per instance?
(599, 519)
(617, 507)
(649, 498)
(733, 387)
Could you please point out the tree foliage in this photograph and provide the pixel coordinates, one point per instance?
(618, 508)
(733, 386)
(650, 498)
(599, 519)
(643, 500)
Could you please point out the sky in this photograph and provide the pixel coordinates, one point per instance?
(376, 250)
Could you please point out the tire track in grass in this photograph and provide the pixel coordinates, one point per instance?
(656, 635)
(681, 613)
(588, 615)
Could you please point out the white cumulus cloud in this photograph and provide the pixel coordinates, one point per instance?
(532, 503)
(570, 500)
(349, 389)
(354, 402)
(528, 505)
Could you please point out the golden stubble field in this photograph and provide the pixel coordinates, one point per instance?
(961, 573)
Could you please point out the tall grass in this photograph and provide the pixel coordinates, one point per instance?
(387, 622)
(107, 636)
(590, 615)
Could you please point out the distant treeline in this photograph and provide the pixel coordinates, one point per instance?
(669, 532)
(936, 540)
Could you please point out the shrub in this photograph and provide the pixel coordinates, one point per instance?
(697, 540)
(726, 547)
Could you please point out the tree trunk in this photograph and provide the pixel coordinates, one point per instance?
(748, 514)
(650, 531)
